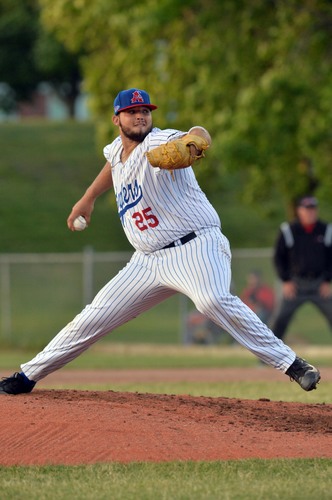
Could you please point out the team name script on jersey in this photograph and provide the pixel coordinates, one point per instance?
(127, 197)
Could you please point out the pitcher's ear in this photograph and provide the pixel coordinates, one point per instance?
(116, 120)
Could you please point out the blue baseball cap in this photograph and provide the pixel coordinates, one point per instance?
(131, 98)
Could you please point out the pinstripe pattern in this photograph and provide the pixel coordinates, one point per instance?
(133, 290)
(179, 205)
(156, 210)
(200, 269)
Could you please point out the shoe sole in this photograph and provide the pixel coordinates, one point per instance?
(310, 381)
(5, 392)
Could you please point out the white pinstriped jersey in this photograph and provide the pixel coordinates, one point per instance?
(155, 209)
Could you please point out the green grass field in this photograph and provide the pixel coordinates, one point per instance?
(229, 480)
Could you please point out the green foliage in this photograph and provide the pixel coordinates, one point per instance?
(256, 74)
(236, 479)
(18, 29)
(29, 55)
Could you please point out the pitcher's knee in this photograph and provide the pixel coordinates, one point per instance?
(217, 304)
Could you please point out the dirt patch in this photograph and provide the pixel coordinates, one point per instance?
(85, 427)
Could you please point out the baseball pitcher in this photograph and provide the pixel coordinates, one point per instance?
(178, 242)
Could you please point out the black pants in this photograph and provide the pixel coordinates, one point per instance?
(307, 291)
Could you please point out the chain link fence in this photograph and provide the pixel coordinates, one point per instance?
(40, 293)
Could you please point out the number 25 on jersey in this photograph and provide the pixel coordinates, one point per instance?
(145, 219)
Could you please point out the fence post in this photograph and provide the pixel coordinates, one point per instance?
(5, 304)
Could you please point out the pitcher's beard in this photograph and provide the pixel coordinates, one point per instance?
(135, 136)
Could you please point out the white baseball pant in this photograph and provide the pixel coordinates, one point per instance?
(200, 269)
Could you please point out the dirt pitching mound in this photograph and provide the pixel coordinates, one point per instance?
(84, 427)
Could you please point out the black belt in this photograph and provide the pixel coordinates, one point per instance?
(182, 241)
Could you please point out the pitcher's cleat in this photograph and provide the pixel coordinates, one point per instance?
(18, 383)
(306, 375)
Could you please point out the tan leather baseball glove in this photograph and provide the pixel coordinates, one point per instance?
(181, 153)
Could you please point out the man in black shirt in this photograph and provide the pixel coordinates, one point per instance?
(303, 261)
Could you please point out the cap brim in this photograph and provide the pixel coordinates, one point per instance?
(150, 106)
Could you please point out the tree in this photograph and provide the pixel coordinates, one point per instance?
(256, 74)
(18, 30)
(59, 67)
(280, 127)
(29, 55)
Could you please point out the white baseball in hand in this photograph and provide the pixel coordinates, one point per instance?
(79, 223)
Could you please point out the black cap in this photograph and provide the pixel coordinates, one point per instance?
(307, 202)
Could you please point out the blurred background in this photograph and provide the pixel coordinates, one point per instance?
(256, 74)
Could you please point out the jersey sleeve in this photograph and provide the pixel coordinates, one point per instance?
(157, 137)
(110, 149)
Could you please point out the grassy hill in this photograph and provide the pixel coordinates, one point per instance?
(45, 168)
